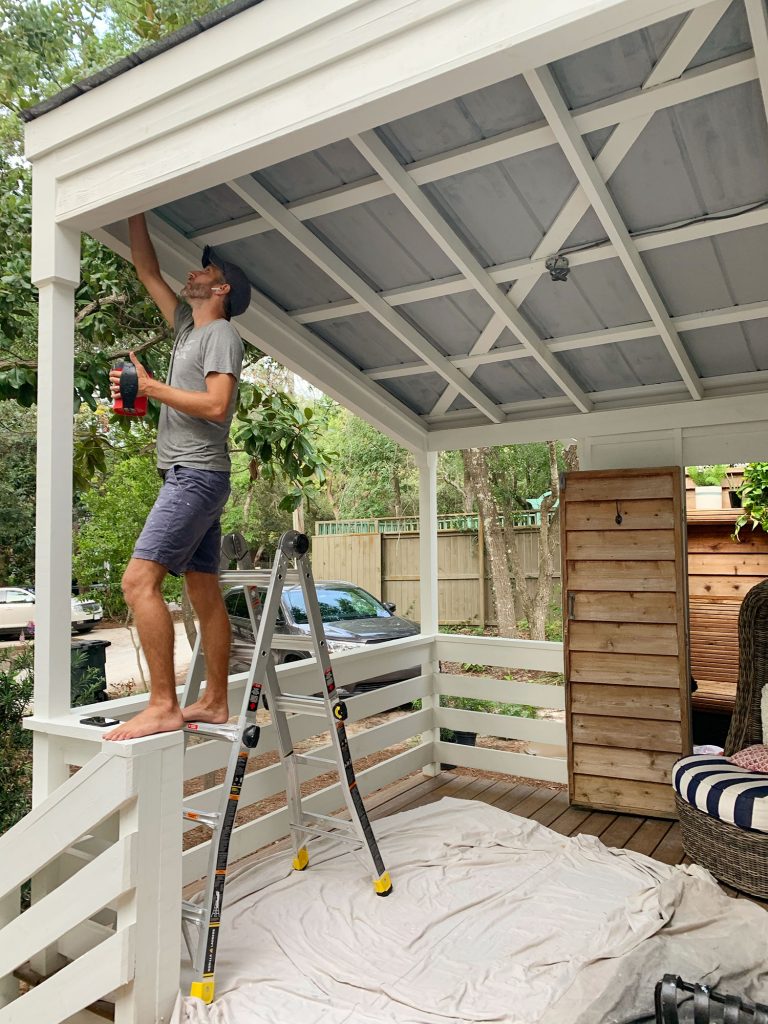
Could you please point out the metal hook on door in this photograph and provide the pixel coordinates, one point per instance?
(619, 517)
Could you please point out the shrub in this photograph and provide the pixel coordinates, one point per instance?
(16, 688)
(753, 492)
(706, 476)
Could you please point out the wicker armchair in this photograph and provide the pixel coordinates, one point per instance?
(736, 855)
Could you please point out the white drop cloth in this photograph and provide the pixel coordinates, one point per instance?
(493, 918)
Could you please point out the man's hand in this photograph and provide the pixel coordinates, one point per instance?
(144, 378)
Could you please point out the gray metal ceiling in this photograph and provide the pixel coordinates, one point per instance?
(695, 159)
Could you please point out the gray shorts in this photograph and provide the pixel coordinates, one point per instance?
(183, 530)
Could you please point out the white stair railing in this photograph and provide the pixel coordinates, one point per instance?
(133, 883)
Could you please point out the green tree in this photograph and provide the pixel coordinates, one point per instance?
(17, 494)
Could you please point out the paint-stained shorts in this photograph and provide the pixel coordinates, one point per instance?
(183, 530)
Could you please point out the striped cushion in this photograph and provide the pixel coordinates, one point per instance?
(723, 791)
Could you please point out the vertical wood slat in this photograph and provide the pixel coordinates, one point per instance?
(626, 643)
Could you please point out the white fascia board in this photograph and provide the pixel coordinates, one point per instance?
(351, 71)
(672, 414)
(267, 327)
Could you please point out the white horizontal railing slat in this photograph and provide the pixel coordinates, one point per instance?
(82, 895)
(77, 985)
(535, 655)
(504, 691)
(511, 727)
(546, 769)
(74, 808)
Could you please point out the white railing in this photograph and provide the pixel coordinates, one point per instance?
(115, 893)
(102, 852)
(544, 739)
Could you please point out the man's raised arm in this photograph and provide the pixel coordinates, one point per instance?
(148, 269)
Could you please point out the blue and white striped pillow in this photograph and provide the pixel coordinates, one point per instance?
(724, 791)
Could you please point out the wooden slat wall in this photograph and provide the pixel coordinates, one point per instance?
(721, 571)
(624, 588)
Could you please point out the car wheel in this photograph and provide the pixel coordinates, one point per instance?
(83, 629)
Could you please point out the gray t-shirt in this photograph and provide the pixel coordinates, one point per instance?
(184, 440)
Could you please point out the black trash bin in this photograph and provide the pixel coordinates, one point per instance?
(93, 656)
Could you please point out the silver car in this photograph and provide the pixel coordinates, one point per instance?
(17, 613)
(352, 619)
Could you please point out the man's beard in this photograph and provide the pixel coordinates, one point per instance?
(193, 290)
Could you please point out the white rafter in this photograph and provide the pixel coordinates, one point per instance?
(548, 96)
(710, 78)
(681, 49)
(380, 157)
(325, 258)
(757, 17)
(503, 273)
(589, 339)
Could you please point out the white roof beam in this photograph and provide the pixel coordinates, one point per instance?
(589, 339)
(710, 78)
(503, 273)
(324, 257)
(681, 49)
(757, 17)
(387, 166)
(549, 98)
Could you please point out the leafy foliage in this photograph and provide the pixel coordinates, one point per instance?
(17, 494)
(706, 476)
(753, 492)
(16, 686)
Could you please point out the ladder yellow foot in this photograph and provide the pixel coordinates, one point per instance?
(301, 859)
(382, 886)
(202, 990)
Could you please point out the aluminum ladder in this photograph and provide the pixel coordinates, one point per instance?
(200, 921)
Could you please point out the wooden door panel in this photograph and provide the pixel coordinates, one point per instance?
(620, 575)
(626, 637)
(623, 669)
(648, 702)
(643, 514)
(621, 485)
(629, 544)
(625, 763)
(629, 795)
(636, 734)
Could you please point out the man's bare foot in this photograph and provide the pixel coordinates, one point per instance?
(150, 721)
(206, 711)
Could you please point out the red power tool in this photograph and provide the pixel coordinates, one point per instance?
(129, 402)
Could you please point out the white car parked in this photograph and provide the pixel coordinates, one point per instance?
(17, 613)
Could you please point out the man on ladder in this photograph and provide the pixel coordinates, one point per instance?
(182, 534)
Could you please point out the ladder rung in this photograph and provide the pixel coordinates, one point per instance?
(328, 819)
(254, 577)
(312, 758)
(209, 818)
(226, 732)
(316, 830)
(192, 912)
(303, 705)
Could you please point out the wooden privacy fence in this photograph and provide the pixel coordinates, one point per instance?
(386, 563)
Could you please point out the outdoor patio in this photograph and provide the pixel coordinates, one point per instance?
(470, 229)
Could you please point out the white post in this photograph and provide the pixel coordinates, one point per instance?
(428, 593)
(154, 906)
(56, 272)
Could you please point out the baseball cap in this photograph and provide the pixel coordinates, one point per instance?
(239, 285)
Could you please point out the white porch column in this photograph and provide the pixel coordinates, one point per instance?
(56, 272)
(428, 595)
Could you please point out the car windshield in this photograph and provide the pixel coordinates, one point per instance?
(337, 603)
